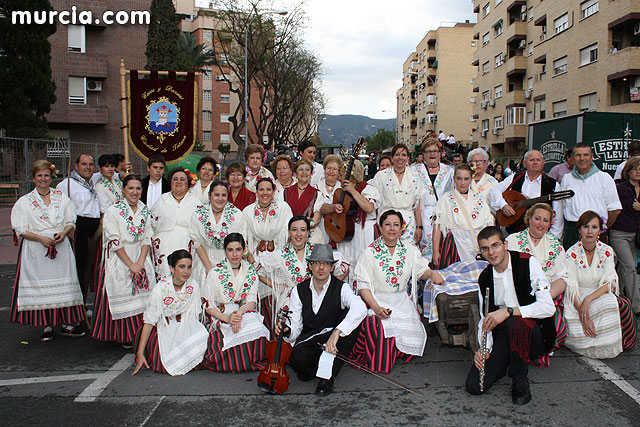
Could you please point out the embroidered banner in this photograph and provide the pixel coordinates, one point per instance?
(163, 115)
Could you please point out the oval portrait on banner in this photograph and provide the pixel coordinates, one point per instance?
(163, 116)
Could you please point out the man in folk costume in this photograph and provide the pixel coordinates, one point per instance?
(519, 325)
(532, 183)
(324, 310)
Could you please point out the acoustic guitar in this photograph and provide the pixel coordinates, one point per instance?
(520, 204)
(340, 226)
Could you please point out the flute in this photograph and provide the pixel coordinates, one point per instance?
(484, 340)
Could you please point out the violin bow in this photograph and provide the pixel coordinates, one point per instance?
(375, 374)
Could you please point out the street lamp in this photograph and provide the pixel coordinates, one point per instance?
(246, 71)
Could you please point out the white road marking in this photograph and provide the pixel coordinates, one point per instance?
(152, 411)
(5, 308)
(40, 380)
(91, 393)
(608, 374)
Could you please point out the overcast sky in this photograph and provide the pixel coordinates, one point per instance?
(362, 45)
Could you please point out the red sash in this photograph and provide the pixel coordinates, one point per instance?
(302, 205)
(244, 199)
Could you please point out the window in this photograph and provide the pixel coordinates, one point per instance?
(498, 2)
(224, 98)
(589, 102)
(206, 95)
(485, 67)
(498, 91)
(485, 125)
(207, 35)
(529, 117)
(497, 122)
(224, 59)
(499, 59)
(77, 90)
(539, 111)
(543, 36)
(431, 100)
(206, 135)
(225, 138)
(543, 73)
(486, 9)
(560, 24)
(486, 95)
(516, 116)
(497, 28)
(530, 50)
(530, 83)
(588, 8)
(265, 140)
(589, 54)
(473, 43)
(485, 39)
(560, 66)
(76, 38)
(530, 13)
(206, 115)
(559, 108)
(224, 118)
(206, 74)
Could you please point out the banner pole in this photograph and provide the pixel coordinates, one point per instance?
(123, 104)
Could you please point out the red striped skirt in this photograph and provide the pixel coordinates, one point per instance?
(249, 356)
(561, 333)
(151, 350)
(375, 351)
(45, 317)
(627, 324)
(266, 309)
(98, 267)
(104, 328)
(448, 252)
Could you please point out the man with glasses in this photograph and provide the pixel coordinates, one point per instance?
(531, 183)
(324, 310)
(520, 321)
(482, 182)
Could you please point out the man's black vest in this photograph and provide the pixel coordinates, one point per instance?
(522, 285)
(330, 313)
(547, 186)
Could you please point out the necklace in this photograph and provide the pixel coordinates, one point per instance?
(398, 173)
(390, 246)
(304, 188)
(217, 212)
(44, 195)
(132, 205)
(264, 207)
(588, 250)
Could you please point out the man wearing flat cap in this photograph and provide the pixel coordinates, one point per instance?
(324, 310)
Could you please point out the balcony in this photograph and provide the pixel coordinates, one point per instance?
(626, 11)
(516, 31)
(514, 99)
(623, 63)
(85, 64)
(431, 55)
(516, 65)
(514, 133)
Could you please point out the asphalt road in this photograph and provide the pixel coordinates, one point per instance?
(79, 381)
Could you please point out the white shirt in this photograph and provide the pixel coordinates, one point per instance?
(530, 190)
(442, 136)
(355, 315)
(317, 174)
(618, 174)
(154, 192)
(85, 201)
(96, 176)
(597, 193)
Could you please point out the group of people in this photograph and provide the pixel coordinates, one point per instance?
(192, 270)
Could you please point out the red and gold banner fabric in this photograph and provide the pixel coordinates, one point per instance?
(163, 115)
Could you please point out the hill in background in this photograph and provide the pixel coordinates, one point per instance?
(347, 128)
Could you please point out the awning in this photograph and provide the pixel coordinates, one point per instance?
(499, 22)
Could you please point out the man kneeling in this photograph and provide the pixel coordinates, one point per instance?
(323, 310)
(520, 318)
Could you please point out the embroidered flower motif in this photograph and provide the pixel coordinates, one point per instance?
(573, 255)
(216, 237)
(189, 289)
(135, 230)
(291, 261)
(167, 300)
(228, 291)
(111, 187)
(384, 258)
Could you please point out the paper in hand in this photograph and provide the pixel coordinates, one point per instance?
(325, 365)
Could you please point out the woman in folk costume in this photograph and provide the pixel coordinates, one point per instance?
(210, 224)
(126, 276)
(537, 241)
(254, 156)
(301, 197)
(591, 308)
(171, 216)
(401, 189)
(239, 195)
(207, 170)
(282, 167)
(437, 178)
(327, 185)
(46, 291)
(482, 181)
(460, 214)
(108, 187)
(172, 340)
(237, 342)
(393, 328)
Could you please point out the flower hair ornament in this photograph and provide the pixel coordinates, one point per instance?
(54, 170)
(192, 176)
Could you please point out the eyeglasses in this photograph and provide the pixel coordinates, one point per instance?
(432, 152)
(301, 169)
(236, 175)
(332, 169)
(478, 161)
(283, 168)
(206, 170)
(494, 247)
(321, 263)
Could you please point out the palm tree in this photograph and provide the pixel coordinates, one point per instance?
(192, 56)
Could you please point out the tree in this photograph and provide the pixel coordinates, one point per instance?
(162, 36)
(26, 87)
(224, 149)
(382, 139)
(192, 56)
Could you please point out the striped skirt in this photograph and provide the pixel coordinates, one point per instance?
(375, 351)
(448, 252)
(627, 324)
(98, 267)
(561, 333)
(45, 317)
(266, 309)
(104, 328)
(249, 356)
(151, 350)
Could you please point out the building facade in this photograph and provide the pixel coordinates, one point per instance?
(436, 92)
(542, 59)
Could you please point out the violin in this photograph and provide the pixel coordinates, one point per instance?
(274, 379)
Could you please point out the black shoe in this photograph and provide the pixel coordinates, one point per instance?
(72, 331)
(47, 334)
(325, 387)
(520, 391)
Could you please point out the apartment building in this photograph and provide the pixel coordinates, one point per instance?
(542, 59)
(436, 90)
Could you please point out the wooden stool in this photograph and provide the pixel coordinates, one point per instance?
(456, 310)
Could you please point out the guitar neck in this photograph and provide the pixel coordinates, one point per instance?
(531, 202)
